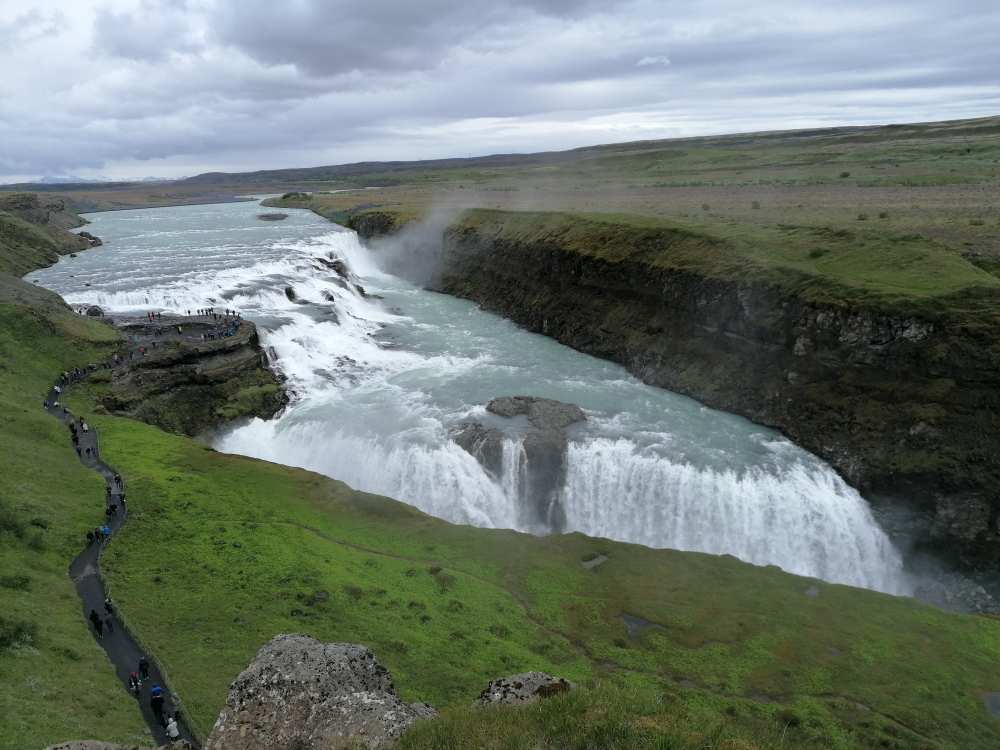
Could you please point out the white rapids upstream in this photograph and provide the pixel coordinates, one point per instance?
(378, 383)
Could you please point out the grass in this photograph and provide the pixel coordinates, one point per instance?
(55, 682)
(223, 552)
(856, 266)
(24, 246)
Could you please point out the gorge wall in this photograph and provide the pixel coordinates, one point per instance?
(900, 402)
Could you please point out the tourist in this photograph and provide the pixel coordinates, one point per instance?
(143, 668)
(133, 682)
(156, 703)
(98, 536)
(95, 619)
(90, 537)
(172, 731)
(107, 605)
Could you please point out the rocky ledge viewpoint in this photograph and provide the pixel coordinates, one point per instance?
(299, 694)
(190, 374)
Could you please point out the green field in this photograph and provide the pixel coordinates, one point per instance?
(55, 681)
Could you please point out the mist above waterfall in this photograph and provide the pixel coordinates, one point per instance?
(380, 384)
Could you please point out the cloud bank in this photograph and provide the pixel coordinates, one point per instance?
(129, 88)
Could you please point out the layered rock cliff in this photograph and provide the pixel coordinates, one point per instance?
(900, 402)
(185, 384)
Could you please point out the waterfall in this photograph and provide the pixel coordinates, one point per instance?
(380, 384)
(806, 520)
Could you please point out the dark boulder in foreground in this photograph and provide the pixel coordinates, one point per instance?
(95, 312)
(272, 217)
(526, 687)
(544, 445)
(301, 694)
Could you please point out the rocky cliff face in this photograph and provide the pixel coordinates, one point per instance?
(188, 385)
(898, 403)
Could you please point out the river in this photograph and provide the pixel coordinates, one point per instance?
(378, 383)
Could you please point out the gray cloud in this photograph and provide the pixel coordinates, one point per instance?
(133, 87)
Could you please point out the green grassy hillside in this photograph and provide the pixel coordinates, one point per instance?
(55, 682)
(222, 552)
(33, 232)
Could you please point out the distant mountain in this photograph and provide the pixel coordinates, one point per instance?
(69, 180)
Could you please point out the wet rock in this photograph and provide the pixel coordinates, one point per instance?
(526, 687)
(272, 217)
(543, 453)
(302, 694)
(543, 413)
(95, 312)
(91, 239)
(290, 293)
(963, 516)
(955, 592)
(337, 265)
(484, 443)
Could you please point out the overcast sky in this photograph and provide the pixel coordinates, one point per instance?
(132, 88)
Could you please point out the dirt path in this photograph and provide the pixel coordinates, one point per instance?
(122, 649)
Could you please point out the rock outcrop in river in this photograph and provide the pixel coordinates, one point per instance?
(542, 455)
(300, 694)
(187, 385)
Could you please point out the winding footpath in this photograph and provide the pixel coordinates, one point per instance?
(122, 648)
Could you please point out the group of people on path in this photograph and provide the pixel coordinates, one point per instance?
(209, 312)
(156, 698)
(103, 623)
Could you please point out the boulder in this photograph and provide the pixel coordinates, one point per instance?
(290, 293)
(94, 241)
(272, 217)
(542, 413)
(95, 312)
(526, 687)
(299, 693)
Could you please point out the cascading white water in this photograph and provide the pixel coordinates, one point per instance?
(805, 520)
(379, 383)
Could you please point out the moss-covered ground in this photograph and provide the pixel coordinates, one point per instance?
(222, 552)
